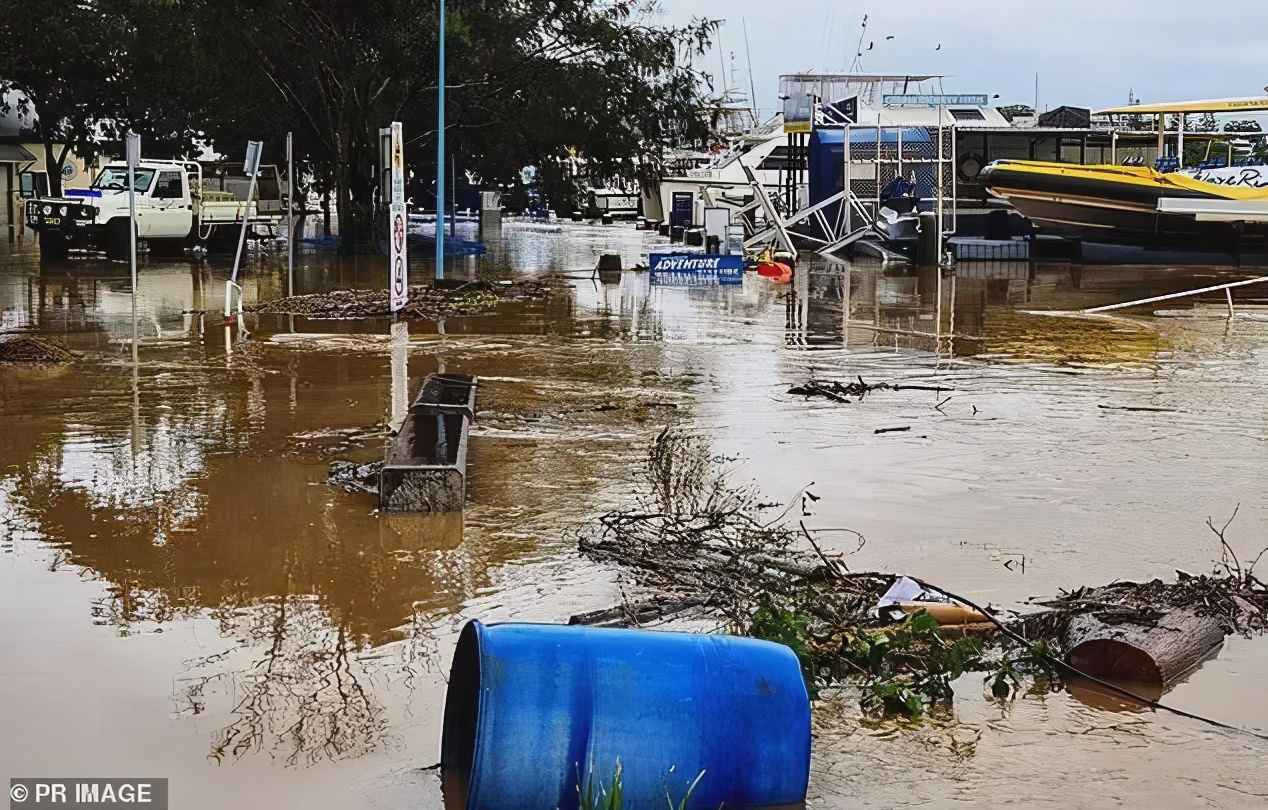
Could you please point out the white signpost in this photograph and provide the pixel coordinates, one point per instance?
(133, 144)
(397, 223)
(251, 167)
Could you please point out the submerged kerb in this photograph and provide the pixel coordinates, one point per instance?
(462, 711)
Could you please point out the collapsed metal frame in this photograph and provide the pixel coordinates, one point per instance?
(863, 178)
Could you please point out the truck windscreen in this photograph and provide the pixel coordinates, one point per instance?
(115, 178)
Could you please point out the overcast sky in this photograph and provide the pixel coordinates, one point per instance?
(1087, 53)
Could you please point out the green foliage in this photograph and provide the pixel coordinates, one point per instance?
(1012, 111)
(904, 668)
(535, 82)
(682, 803)
(593, 795)
(909, 666)
(787, 628)
(1020, 665)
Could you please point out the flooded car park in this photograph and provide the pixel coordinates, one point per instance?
(183, 588)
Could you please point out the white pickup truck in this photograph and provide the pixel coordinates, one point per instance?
(174, 209)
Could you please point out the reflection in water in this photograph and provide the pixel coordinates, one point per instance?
(990, 311)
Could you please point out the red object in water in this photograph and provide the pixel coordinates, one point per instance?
(777, 272)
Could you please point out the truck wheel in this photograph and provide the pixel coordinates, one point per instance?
(52, 245)
(118, 240)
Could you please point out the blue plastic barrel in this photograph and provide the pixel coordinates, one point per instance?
(534, 710)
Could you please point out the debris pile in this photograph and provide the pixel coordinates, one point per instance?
(703, 548)
(426, 302)
(29, 349)
(1238, 602)
(352, 477)
(841, 392)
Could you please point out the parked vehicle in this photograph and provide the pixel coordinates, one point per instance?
(174, 209)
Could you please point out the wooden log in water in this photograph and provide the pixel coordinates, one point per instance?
(1152, 656)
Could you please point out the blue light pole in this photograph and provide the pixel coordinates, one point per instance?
(440, 154)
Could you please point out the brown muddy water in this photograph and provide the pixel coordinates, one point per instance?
(182, 594)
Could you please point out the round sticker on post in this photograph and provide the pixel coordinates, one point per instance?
(399, 287)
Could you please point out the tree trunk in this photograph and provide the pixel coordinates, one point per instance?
(1146, 659)
(53, 164)
(359, 228)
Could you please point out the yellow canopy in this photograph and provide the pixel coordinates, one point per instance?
(1212, 105)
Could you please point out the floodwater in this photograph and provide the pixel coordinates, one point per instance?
(183, 595)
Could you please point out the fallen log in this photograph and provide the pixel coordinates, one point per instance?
(1150, 657)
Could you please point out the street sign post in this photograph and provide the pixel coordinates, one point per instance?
(397, 221)
(250, 167)
(133, 144)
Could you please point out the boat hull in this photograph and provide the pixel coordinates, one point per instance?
(1116, 205)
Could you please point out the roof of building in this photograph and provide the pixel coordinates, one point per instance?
(14, 153)
(1213, 105)
(1066, 117)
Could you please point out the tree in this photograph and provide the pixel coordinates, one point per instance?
(59, 80)
(531, 83)
(528, 83)
(1012, 111)
(97, 69)
(537, 85)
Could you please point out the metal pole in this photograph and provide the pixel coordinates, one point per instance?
(290, 216)
(900, 151)
(1114, 147)
(440, 153)
(849, 196)
(1170, 296)
(232, 284)
(132, 252)
(938, 259)
(1180, 142)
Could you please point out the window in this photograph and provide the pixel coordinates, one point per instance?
(777, 160)
(34, 184)
(169, 186)
(115, 178)
(968, 115)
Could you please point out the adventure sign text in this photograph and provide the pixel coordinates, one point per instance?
(696, 268)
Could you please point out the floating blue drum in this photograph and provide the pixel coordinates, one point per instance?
(533, 711)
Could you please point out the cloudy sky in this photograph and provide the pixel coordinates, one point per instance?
(1087, 53)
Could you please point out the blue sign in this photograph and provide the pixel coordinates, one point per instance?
(936, 100)
(696, 268)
